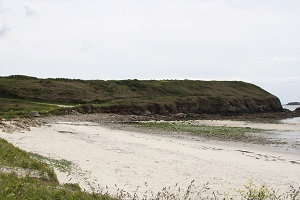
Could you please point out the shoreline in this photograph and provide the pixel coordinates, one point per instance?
(107, 156)
(276, 136)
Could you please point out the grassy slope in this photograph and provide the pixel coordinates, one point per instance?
(14, 187)
(76, 91)
(171, 95)
(17, 108)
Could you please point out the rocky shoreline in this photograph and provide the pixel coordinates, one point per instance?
(117, 118)
(19, 125)
(24, 124)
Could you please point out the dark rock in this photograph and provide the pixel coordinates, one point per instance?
(293, 103)
(34, 114)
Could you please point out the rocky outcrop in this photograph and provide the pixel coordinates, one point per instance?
(18, 125)
(293, 103)
(198, 106)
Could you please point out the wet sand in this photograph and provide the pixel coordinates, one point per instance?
(107, 159)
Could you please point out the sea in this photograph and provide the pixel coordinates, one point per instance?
(295, 120)
(290, 107)
(292, 138)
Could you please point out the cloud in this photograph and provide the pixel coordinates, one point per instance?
(277, 59)
(29, 12)
(280, 80)
(3, 31)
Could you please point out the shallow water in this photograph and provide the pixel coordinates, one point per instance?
(286, 135)
(290, 107)
(295, 120)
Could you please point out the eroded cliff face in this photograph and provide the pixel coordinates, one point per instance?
(205, 106)
(229, 106)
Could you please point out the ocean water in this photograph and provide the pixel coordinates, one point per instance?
(295, 120)
(290, 107)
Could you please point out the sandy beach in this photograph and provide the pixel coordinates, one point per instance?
(107, 159)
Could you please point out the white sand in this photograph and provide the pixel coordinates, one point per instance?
(106, 157)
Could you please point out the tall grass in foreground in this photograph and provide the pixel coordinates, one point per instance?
(250, 192)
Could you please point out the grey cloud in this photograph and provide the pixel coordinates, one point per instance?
(29, 12)
(3, 31)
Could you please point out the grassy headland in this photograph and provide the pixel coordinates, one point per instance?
(138, 96)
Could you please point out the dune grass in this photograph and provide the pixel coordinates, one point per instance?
(62, 165)
(16, 186)
(15, 157)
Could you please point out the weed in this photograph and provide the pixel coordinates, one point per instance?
(13, 186)
(214, 132)
(252, 191)
(12, 108)
(62, 165)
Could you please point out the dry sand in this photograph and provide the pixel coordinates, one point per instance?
(137, 162)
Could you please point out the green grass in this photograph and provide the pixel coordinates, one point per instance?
(12, 108)
(143, 96)
(62, 165)
(14, 157)
(13, 186)
(217, 132)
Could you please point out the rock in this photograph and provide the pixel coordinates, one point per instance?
(293, 103)
(297, 110)
(34, 114)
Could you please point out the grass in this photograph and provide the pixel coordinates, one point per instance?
(15, 157)
(154, 96)
(253, 191)
(13, 186)
(13, 108)
(214, 132)
(62, 165)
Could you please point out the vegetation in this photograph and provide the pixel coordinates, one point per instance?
(213, 132)
(12, 108)
(138, 96)
(84, 91)
(62, 165)
(252, 191)
(17, 186)
(15, 157)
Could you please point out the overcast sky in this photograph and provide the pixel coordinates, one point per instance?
(256, 41)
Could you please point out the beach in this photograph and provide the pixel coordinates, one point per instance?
(109, 160)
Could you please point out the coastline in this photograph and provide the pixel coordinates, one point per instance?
(104, 156)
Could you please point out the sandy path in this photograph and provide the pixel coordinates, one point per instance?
(107, 157)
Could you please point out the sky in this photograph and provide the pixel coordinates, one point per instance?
(256, 41)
